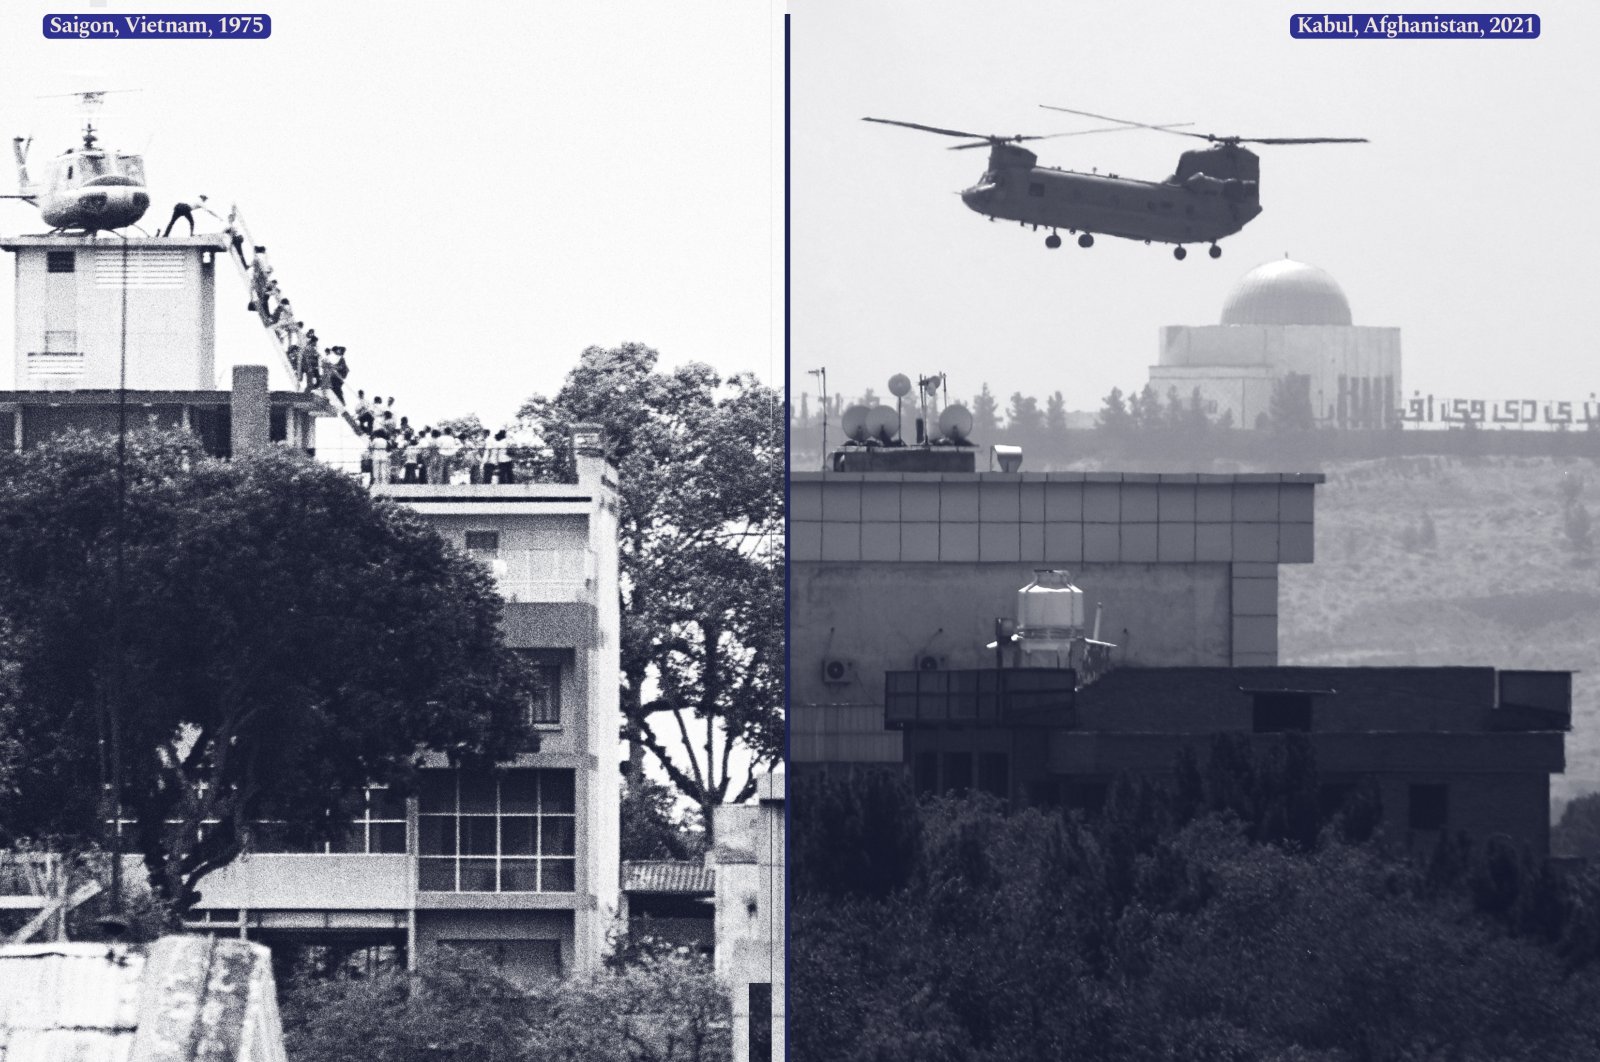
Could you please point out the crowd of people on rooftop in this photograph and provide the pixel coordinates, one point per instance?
(398, 453)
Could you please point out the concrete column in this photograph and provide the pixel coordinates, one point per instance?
(588, 447)
(252, 422)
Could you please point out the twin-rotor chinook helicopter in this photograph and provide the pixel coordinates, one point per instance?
(88, 188)
(1214, 193)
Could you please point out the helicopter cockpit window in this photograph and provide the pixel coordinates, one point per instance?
(92, 166)
(132, 167)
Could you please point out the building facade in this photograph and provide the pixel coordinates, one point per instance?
(750, 918)
(1286, 325)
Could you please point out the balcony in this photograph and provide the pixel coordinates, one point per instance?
(541, 575)
(1030, 696)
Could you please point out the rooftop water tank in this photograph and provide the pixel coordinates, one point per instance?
(1049, 612)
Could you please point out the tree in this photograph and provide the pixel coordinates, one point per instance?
(285, 639)
(1114, 418)
(1289, 408)
(1023, 414)
(701, 538)
(651, 829)
(985, 414)
(1055, 414)
(1144, 409)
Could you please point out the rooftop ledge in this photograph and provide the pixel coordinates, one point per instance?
(484, 492)
(59, 241)
(1058, 477)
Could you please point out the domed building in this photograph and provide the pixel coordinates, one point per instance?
(1286, 325)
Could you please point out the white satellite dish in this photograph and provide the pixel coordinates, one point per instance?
(855, 422)
(882, 422)
(955, 423)
(899, 385)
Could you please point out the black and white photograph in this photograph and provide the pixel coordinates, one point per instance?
(1193, 589)
(392, 531)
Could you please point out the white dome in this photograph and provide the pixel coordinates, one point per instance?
(1286, 292)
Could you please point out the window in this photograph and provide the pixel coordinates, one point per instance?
(1277, 713)
(379, 829)
(61, 341)
(61, 261)
(545, 708)
(515, 832)
(1035, 188)
(1430, 807)
(483, 544)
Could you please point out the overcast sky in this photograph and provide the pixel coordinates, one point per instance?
(465, 195)
(1468, 222)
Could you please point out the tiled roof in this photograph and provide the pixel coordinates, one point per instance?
(668, 876)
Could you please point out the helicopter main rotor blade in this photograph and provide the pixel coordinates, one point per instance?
(932, 129)
(1294, 139)
(1168, 128)
(1076, 132)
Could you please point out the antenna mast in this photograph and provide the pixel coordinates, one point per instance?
(822, 375)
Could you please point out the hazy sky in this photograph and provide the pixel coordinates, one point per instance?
(1468, 221)
(465, 195)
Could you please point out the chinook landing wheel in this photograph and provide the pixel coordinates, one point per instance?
(1052, 241)
(1215, 252)
(1086, 240)
(1180, 253)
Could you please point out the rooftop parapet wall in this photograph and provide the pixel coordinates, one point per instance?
(1054, 517)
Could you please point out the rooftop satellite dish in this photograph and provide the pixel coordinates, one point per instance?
(955, 423)
(881, 423)
(899, 385)
(855, 423)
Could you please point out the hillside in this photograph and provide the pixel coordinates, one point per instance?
(1500, 584)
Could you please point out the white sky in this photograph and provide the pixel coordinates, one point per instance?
(465, 195)
(1467, 222)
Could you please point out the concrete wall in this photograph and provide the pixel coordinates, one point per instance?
(171, 340)
(887, 567)
(307, 882)
(750, 926)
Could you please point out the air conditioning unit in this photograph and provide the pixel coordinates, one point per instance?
(930, 662)
(836, 671)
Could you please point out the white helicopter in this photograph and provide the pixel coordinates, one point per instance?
(88, 188)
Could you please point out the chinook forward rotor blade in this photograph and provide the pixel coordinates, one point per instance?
(983, 139)
(1212, 137)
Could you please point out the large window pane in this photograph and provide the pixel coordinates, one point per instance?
(477, 835)
(556, 789)
(519, 875)
(436, 875)
(519, 792)
(436, 835)
(477, 875)
(386, 804)
(559, 875)
(558, 836)
(389, 837)
(516, 835)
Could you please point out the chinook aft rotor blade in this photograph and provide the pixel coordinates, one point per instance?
(1212, 137)
(1076, 132)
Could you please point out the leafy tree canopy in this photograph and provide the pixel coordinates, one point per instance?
(701, 524)
(286, 639)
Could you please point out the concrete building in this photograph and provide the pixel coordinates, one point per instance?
(672, 902)
(904, 591)
(750, 929)
(1285, 324)
(93, 316)
(521, 862)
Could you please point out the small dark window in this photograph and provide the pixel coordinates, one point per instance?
(994, 774)
(61, 261)
(1277, 713)
(760, 1022)
(483, 541)
(546, 707)
(957, 772)
(1036, 188)
(927, 772)
(1430, 807)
